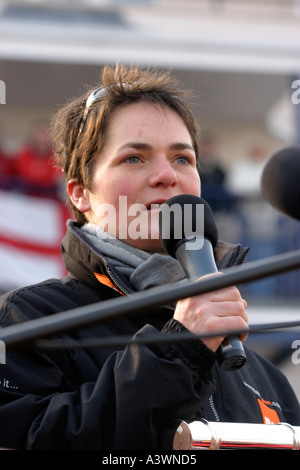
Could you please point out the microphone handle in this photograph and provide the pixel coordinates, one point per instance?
(230, 354)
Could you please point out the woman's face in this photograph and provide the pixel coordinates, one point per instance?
(148, 158)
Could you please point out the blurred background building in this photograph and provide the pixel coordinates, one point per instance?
(240, 57)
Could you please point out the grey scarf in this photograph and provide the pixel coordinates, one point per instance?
(142, 269)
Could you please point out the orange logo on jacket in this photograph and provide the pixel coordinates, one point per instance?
(269, 415)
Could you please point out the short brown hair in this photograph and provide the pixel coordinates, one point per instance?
(79, 134)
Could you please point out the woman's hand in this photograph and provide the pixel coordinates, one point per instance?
(221, 310)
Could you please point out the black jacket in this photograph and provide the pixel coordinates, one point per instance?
(116, 397)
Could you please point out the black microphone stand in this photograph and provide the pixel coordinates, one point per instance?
(32, 330)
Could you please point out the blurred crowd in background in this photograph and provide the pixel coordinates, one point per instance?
(33, 211)
(244, 216)
(30, 168)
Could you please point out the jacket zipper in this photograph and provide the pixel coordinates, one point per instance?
(213, 408)
(117, 284)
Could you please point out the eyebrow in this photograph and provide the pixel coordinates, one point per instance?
(145, 146)
(181, 146)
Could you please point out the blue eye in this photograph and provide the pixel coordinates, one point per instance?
(182, 160)
(133, 159)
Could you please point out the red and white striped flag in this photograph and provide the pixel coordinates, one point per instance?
(31, 230)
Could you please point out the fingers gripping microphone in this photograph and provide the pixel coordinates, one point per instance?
(183, 237)
(280, 181)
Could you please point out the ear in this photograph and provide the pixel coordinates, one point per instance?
(79, 195)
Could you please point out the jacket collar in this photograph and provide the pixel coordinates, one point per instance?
(82, 261)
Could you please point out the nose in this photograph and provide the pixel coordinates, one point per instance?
(162, 173)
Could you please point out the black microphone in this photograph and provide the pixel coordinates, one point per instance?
(280, 181)
(188, 232)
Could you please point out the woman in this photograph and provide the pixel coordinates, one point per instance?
(125, 148)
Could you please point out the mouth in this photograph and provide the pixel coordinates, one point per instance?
(155, 204)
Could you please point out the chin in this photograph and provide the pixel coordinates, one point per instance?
(150, 245)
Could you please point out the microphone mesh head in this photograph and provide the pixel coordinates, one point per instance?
(180, 219)
(280, 181)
